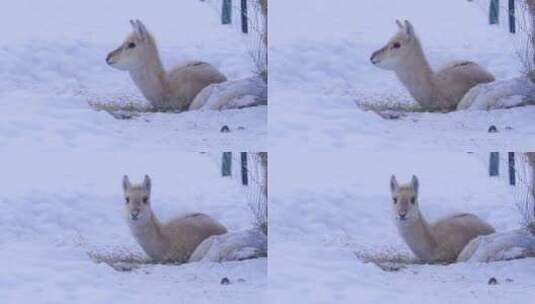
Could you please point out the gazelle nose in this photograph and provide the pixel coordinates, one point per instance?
(134, 213)
(108, 59)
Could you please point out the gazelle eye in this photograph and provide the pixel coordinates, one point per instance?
(396, 45)
(131, 45)
(395, 200)
(145, 200)
(413, 200)
(127, 200)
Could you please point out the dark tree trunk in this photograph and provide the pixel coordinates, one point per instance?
(531, 162)
(531, 8)
(264, 6)
(264, 163)
(264, 9)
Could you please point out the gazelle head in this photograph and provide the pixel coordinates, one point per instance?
(398, 47)
(404, 199)
(137, 48)
(137, 200)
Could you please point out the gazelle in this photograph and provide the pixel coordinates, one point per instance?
(438, 242)
(441, 90)
(165, 90)
(173, 241)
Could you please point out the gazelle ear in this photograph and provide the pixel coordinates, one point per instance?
(415, 184)
(134, 26)
(142, 30)
(147, 183)
(137, 29)
(126, 183)
(393, 184)
(409, 29)
(400, 25)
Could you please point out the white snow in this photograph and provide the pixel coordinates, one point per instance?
(232, 246)
(320, 68)
(56, 209)
(499, 95)
(330, 206)
(233, 94)
(52, 56)
(500, 246)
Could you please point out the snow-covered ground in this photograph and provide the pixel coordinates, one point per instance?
(320, 68)
(329, 206)
(56, 209)
(52, 59)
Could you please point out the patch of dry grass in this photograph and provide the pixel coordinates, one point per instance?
(119, 259)
(122, 110)
(388, 106)
(130, 106)
(387, 259)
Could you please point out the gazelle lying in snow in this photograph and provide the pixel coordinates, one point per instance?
(440, 90)
(438, 242)
(173, 241)
(166, 90)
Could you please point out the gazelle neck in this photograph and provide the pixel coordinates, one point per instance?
(149, 236)
(418, 236)
(150, 78)
(417, 76)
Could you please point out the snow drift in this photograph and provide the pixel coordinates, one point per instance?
(232, 94)
(231, 246)
(500, 94)
(499, 246)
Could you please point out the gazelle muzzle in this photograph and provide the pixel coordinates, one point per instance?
(111, 55)
(373, 57)
(134, 214)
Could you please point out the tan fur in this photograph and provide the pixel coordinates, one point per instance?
(440, 90)
(166, 90)
(438, 242)
(173, 241)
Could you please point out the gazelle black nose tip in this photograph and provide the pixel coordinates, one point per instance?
(134, 214)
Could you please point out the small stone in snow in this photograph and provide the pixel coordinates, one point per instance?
(225, 281)
(493, 281)
(225, 129)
